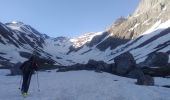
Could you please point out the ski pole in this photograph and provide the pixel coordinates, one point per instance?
(38, 82)
(20, 83)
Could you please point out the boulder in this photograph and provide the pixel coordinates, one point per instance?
(156, 59)
(99, 66)
(157, 71)
(124, 63)
(145, 80)
(15, 70)
(92, 64)
(72, 68)
(136, 73)
(113, 68)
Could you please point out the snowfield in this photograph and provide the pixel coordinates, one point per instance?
(82, 85)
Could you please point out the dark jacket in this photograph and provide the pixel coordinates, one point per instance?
(29, 66)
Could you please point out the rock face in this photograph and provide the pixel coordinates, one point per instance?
(124, 63)
(158, 59)
(156, 5)
(146, 15)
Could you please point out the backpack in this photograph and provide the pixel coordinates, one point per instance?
(27, 66)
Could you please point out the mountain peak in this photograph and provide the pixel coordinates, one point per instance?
(16, 23)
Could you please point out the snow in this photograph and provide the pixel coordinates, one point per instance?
(12, 53)
(164, 8)
(146, 22)
(14, 22)
(14, 27)
(135, 26)
(152, 28)
(150, 47)
(82, 85)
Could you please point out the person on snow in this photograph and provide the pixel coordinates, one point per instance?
(27, 68)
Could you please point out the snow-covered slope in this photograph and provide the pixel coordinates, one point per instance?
(143, 33)
(23, 39)
(19, 40)
(82, 85)
(156, 39)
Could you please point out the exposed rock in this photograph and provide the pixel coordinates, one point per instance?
(113, 68)
(146, 15)
(120, 20)
(73, 68)
(97, 39)
(111, 42)
(136, 73)
(124, 63)
(99, 65)
(155, 5)
(157, 71)
(145, 80)
(156, 59)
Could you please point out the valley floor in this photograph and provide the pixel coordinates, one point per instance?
(82, 85)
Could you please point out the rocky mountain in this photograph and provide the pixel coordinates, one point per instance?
(144, 32)
(146, 15)
(126, 28)
(150, 16)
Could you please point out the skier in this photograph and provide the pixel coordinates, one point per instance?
(27, 68)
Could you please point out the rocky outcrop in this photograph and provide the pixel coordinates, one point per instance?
(124, 63)
(155, 5)
(98, 66)
(145, 80)
(146, 15)
(156, 64)
(157, 71)
(135, 73)
(111, 42)
(156, 59)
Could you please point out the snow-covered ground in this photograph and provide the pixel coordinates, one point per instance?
(82, 85)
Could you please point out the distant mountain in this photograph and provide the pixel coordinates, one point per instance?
(144, 32)
(18, 41)
(81, 40)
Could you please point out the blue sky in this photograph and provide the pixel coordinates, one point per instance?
(69, 18)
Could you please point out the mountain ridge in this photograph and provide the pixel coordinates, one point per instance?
(18, 39)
